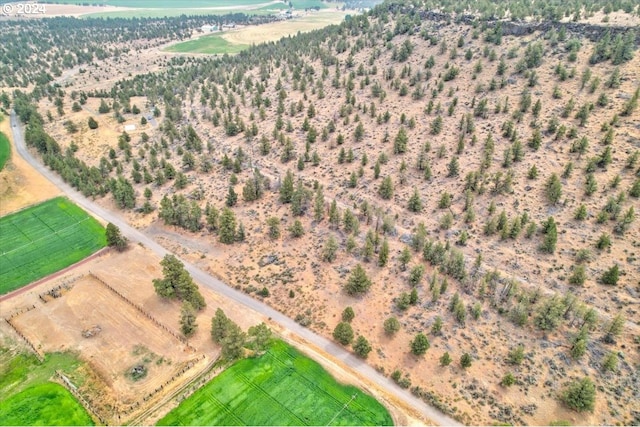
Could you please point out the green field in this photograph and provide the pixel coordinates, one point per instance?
(5, 150)
(169, 13)
(213, 43)
(189, 4)
(47, 404)
(165, 4)
(28, 398)
(171, 8)
(43, 239)
(282, 387)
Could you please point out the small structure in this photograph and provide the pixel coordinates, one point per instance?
(129, 128)
(209, 28)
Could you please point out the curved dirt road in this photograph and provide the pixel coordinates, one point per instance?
(205, 279)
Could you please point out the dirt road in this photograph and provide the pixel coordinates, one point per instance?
(347, 358)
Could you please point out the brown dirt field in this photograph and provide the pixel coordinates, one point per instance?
(273, 31)
(20, 185)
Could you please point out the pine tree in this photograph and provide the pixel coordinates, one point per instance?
(286, 190)
(358, 281)
(188, 324)
(445, 359)
(420, 344)
(232, 197)
(386, 188)
(115, 238)
(273, 223)
(177, 283)
(227, 233)
(550, 236)
(343, 333)
(383, 254)
(415, 202)
(554, 189)
(405, 257)
(466, 360)
(219, 324)
(580, 395)
(318, 205)
(362, 347)
(330, 249)
(391, 326)
(400, 142)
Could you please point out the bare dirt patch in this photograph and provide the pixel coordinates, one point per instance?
(274, 31)
(20, 184)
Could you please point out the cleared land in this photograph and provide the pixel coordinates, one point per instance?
(212, 44)
(196, 4)
(167, 8)
(43, 239)
(44, 404)
(5, 150)
(236, 40)
(282, 387)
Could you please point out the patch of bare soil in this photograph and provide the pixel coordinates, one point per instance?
(20, 185)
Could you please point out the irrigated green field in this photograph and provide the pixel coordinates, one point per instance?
(5, 150)
(282, 387)
(207, 44)
(47, 404)
(190, 4)
(43, 239)
(169, 8)
(28, 398)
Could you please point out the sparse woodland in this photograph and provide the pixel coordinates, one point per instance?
(466, 182)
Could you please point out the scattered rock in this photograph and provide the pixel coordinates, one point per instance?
(267, 260)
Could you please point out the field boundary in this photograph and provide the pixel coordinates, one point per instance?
(66, 383)
(67, 285)
(144, 312)
(31, 346)
(52, 276)
(138, 419)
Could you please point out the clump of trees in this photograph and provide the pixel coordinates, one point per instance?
(177, 283)
(115, 238)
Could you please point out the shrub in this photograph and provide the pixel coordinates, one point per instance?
(580, 395)
(391, 326)
(343, 333)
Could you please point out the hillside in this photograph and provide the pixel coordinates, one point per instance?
(485, 173)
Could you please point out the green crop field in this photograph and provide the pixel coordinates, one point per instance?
(170, 8)
(207, 44)
(188, 4)
(169, 13)
(28, 398)
(47, 404)
(5, 150)
(282, 387)
(43, 239)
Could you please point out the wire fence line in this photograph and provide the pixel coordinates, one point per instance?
(145, 313)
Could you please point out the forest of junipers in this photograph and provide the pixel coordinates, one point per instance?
(487, 181)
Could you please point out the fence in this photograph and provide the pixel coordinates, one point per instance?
(38, 354)
(74, 390)
(19, 312)
(54, 292)
(175, 377)
(145, 313)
